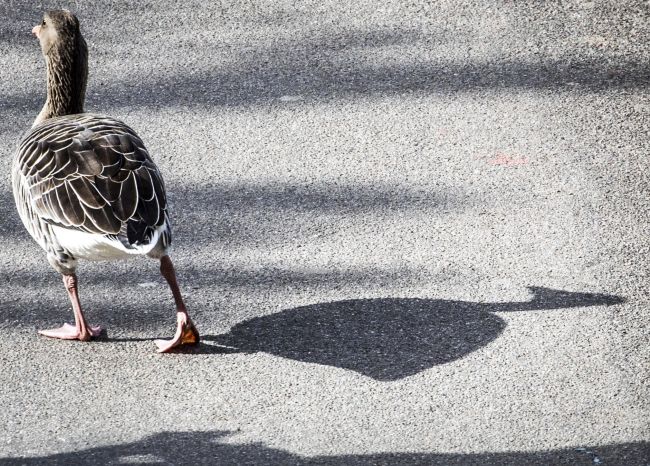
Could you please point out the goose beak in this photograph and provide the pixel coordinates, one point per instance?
(36, 31)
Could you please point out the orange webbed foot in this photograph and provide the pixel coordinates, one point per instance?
(186, 334)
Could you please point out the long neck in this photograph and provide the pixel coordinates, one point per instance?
(67, 73)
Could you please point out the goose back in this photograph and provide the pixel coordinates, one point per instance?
(90, 174)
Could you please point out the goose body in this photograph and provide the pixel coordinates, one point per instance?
(86, 188)
(85, 185)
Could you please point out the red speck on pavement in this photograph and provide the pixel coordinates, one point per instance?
(506, 160)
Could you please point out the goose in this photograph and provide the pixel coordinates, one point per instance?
(85, 186)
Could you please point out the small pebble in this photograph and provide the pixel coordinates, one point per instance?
(148, 284)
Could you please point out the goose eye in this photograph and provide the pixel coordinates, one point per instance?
(43, 23)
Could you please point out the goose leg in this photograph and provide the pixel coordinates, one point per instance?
(81, 330)
(186, 333)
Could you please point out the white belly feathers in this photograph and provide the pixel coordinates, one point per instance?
(94, 247)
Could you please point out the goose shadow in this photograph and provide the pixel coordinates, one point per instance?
(386, 339)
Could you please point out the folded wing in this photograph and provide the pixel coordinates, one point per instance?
(93, 174)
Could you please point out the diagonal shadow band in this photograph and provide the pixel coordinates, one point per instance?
(213, 447)
(388, 339)
(335, 66)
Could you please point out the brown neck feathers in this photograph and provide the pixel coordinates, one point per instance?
(67, 73)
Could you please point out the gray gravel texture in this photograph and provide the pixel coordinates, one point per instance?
(410, 233)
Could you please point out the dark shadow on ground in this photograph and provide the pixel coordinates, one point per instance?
(210, 448)
(392, 338)
(327, 81)
(235, 213)
(249, 215)
(335, 65)
(251, 84)
(10, 224)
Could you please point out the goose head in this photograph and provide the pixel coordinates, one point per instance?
(59, 28)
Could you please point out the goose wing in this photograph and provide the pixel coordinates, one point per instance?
(93, 174)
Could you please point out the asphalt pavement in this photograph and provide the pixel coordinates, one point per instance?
(409, 233)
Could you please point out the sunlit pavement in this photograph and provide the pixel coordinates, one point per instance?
(409, 233)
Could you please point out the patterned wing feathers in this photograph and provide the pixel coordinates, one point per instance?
(86, 193)
(104, 219)
(125, 206)
(86, 162)
(108, 188)
(75, 212)
(93, 174)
